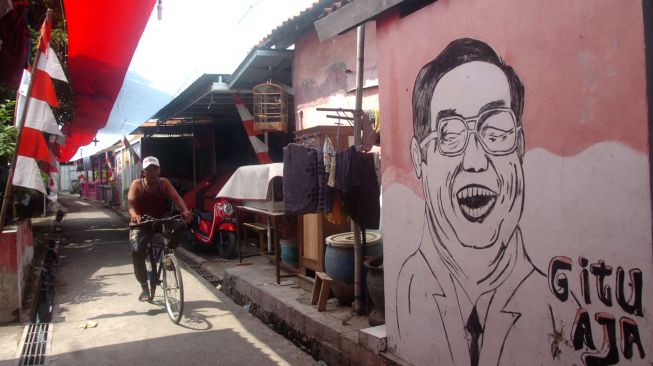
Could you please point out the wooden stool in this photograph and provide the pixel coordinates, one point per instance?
(321, 290)
(260, 229)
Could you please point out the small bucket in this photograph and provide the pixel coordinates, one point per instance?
(288, 251)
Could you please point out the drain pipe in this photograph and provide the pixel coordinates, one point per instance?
(358, 249)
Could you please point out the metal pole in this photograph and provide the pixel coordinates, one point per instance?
(19, 124)
(192, 146)
(358, 249)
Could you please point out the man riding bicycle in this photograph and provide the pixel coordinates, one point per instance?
(147, 196)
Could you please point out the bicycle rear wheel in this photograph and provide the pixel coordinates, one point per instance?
(173, 287)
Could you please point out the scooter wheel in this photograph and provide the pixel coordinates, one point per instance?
(226, 243)
(195, 245)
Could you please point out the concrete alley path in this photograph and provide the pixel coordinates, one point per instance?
(95, 282)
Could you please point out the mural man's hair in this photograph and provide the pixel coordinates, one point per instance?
(458, 52)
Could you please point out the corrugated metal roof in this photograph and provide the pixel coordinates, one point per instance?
(284, 35)
(197, 90)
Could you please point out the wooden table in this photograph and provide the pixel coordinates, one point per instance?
(273, 239)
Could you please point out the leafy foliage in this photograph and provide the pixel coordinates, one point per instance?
(7, 130)
(7, 142)
(7, 111)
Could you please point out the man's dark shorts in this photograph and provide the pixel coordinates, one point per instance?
(138, 238)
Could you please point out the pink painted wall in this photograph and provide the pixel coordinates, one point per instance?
(583, 67)
(16, 253)
(324, 75)
(582, 207)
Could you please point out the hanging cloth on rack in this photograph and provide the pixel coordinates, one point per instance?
(336, 216)
(300, 184)
(324, 197)
(346, 167)
(369, 135)
(357, 183)
(329, 161)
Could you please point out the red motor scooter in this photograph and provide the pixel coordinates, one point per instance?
(216, 228)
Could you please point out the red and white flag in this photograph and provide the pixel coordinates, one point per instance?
(32, 148)
(107, 160)
(28, 174)
(260, 148)
(47, 69)
(131, 150)
(38, 117)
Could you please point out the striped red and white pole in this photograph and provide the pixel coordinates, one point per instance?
(260, 148)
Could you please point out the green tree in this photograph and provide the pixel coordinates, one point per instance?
(7, 138)
(7, 131)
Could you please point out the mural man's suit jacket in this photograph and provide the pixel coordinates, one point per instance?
(429, 309)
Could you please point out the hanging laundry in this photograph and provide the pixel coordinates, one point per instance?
(357, 183)
(346, 167)
(329, 161)
(363, 203)
(337, 214)
(324, 199)
(300, 179)
(369, 134)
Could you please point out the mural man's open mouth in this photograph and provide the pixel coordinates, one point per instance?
(476, 202)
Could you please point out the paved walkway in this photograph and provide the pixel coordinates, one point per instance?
(95, 283)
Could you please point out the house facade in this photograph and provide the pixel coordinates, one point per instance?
(516, 179)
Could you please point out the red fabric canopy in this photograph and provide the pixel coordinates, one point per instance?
(102, 38)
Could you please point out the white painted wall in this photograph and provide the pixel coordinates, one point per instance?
(67, 174)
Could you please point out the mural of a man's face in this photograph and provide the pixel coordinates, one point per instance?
(472, 176)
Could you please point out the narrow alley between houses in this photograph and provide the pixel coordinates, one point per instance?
(97, 318)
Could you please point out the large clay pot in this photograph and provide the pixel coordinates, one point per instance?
(339, 262)
(374, 266)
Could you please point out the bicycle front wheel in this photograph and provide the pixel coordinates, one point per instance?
(152, 276)
(173, 287)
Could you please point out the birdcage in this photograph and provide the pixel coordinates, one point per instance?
(270, 108)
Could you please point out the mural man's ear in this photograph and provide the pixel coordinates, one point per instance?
(416, 156)
(521, 144)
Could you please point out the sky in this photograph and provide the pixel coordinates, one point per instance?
(194, 37)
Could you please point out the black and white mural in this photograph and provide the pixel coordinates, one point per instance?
(476, 289)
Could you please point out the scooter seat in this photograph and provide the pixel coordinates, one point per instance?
(207, 216)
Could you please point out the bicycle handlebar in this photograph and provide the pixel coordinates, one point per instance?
(148, 220)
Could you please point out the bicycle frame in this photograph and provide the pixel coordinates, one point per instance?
(162, 258)
(155, 253)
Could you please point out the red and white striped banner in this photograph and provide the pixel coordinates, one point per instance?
(259, 147)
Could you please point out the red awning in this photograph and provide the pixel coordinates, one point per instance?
(102, 38)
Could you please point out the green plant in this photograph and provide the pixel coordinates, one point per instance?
(7, 131)
(7, 111)
(7, 143)
(75, 187)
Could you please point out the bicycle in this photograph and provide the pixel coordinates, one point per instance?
(162, 264)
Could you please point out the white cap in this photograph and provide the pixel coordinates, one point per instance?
(150, 160)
